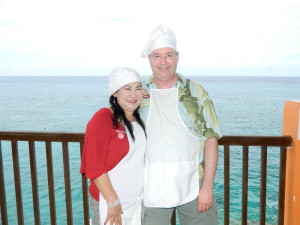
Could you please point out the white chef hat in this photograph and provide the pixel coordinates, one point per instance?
(161, 37)
(121, 76)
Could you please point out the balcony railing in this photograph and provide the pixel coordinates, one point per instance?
(64, 139)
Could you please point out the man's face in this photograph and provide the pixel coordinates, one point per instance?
(163, 62)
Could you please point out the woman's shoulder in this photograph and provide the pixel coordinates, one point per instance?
(102, 114)
(104, 111)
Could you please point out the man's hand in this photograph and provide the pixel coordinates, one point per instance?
(205, 199)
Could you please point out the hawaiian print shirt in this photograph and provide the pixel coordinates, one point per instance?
(195, 107)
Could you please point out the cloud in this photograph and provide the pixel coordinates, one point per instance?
(77, 36)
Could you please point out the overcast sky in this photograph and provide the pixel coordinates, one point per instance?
(71, 37)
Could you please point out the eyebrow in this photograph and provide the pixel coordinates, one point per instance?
(165, 53)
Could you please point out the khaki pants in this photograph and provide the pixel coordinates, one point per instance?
(187, 214)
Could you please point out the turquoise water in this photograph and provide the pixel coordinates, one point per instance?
(245, 106)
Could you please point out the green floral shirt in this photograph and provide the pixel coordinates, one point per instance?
(195, 107)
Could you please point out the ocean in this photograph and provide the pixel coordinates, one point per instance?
(244, 105)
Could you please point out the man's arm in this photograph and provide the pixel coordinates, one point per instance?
(206, 193)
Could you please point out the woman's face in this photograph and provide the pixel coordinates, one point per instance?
(130, 97)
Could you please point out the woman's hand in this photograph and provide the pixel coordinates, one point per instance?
(114, 215)
(114, 208)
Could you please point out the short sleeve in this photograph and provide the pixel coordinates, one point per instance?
(212, 126)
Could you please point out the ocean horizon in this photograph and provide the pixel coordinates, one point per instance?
(245, 106)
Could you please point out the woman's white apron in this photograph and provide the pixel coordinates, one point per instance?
(127, 180)
(172, 155)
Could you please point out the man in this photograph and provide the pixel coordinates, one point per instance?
(182, 148)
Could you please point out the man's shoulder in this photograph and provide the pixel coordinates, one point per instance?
(195, 87)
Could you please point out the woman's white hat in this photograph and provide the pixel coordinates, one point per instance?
(121, 76)
(161, 37)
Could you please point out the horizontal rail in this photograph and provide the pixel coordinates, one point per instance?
(279, 141)
(41, 136)
(78, 137)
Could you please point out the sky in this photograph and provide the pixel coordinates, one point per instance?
(214, 38)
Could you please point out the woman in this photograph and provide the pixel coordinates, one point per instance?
(113, 155)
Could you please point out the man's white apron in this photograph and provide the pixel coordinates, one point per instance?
(172, 155)
(127, 180)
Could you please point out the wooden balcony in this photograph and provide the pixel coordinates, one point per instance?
(32, 139)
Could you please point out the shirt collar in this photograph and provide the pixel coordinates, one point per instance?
(179, 83)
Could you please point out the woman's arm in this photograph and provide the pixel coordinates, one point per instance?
(105, 187)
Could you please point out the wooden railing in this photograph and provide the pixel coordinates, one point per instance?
(48, 139)
(65, 138)
(264, 142)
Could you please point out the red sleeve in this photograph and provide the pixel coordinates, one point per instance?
(96, 143)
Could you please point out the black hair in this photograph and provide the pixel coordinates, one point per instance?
(119, 115)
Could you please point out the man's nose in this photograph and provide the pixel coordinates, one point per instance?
(163, 60)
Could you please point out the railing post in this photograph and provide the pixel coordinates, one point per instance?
(291, 126)
(3, 210)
